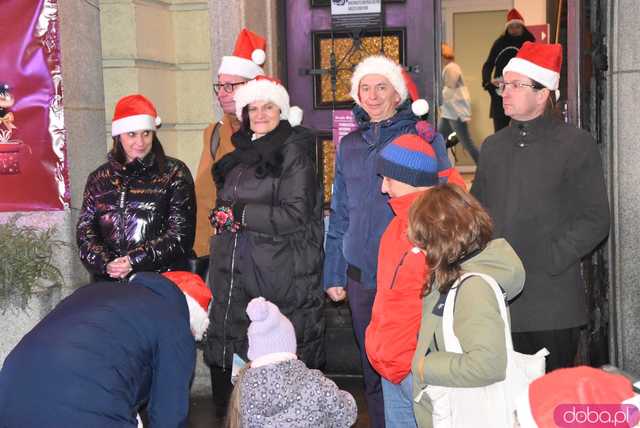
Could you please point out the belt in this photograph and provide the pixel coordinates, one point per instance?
(354, 273)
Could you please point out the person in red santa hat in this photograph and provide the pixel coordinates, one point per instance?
(269, 228)
(503, 49)
(107, 351)
(235, 70)
(579, 396)
(138, 209)
(542, 182)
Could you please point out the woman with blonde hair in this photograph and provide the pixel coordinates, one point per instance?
(454, 231)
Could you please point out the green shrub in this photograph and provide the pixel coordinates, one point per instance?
(26, 254)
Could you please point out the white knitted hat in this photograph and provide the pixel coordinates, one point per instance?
(264, 88)
(378, 64)
(269, 332)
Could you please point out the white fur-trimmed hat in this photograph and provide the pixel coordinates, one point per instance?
(540, 62)
(134, 113)
(265, 88)
(248, 56)
(378, 64)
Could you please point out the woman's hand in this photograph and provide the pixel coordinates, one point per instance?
(336, 293)
(222, 218)
(119, 268)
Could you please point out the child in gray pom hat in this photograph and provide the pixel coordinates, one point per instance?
(276, 389)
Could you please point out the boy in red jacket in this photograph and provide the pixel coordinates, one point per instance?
(409, 167)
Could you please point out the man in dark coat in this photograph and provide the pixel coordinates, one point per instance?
(104, 352)
(542, 182)
(504, 48)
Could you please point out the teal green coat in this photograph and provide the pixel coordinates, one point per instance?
(477, 324)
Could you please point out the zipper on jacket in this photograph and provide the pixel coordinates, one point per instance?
(231, 279)
(226, 312)
(122, 201)
(395, 274)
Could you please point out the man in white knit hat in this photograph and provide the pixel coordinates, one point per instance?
(543, 184)
(383, 94)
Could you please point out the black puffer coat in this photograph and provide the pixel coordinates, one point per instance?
(278, 254)
(139, 211)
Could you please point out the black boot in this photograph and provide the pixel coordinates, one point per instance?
(221, 388)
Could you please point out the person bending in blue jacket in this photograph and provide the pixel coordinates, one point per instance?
(104, 352)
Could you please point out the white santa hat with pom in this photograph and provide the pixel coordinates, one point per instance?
(265, 88)
(395, 74)
(248, 56)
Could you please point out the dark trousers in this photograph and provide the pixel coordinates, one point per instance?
(361, 303)
(500, 120)
(221, 387)
(562, 345)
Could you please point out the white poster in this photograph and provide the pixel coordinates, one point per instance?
(355, 7)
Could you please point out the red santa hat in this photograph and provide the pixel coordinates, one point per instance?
(134, 113)
(579, 385)
(540, 62)
(514, 17)
(265, 88)
(248, 56)
(198, 298)
(379, 64)
(419, 106)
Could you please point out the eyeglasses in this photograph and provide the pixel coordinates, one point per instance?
(229, 87)
(516, 86)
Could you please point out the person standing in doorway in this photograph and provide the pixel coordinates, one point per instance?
(455, 111)
(543, 184)
(504, 48)
(235, 70)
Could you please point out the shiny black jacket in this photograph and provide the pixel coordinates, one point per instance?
(278, 254)
(139, 211)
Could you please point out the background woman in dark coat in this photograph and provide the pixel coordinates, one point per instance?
(138, 212)
(503, 49)
(269, 231)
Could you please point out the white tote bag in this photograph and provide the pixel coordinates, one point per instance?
(488, 406)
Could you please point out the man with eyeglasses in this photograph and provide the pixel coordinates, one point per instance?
(543, 184)
(235, 70)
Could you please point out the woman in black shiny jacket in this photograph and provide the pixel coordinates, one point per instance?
(138, 211)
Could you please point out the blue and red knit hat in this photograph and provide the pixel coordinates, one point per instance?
(409, 159)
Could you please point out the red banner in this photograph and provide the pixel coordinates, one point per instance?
(33, 159)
